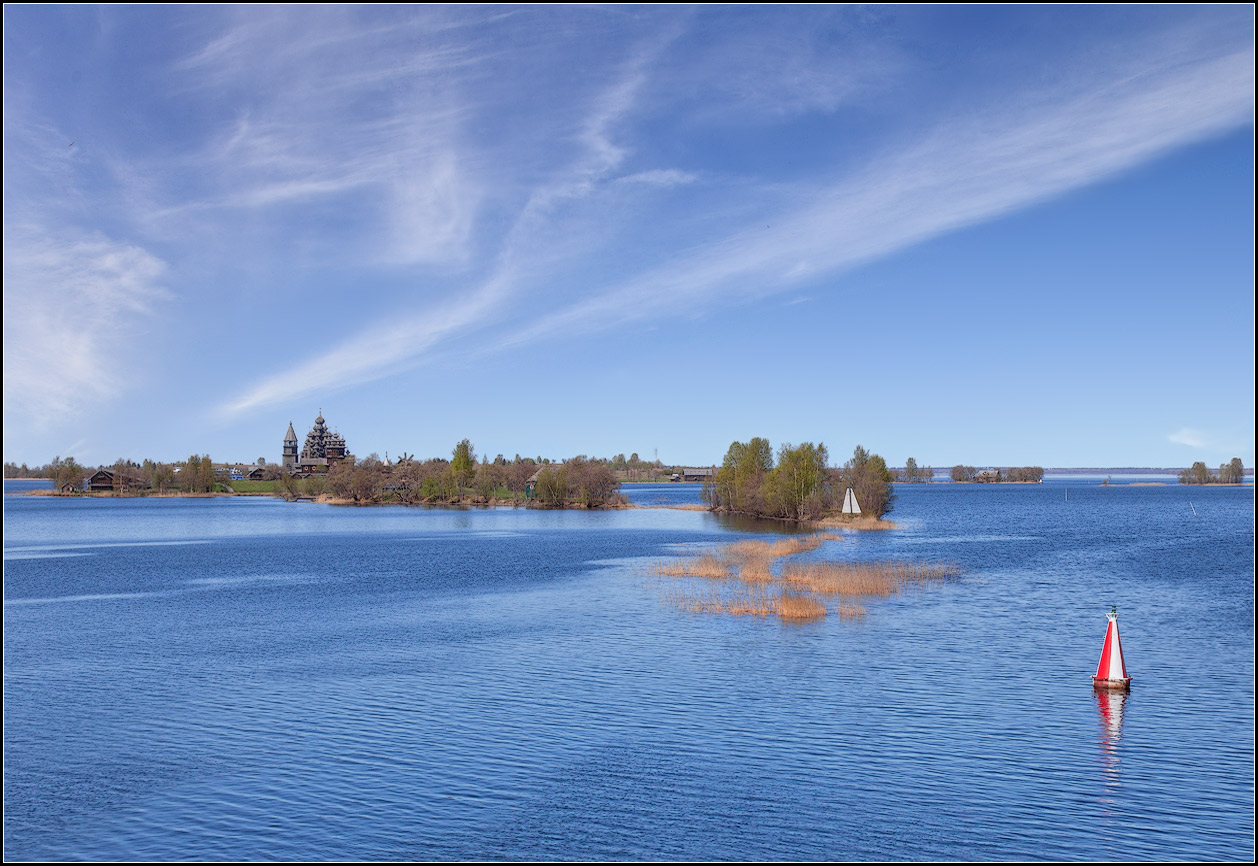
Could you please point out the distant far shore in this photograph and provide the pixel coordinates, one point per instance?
(1121, 470)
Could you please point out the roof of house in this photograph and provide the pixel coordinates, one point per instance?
(541, 469)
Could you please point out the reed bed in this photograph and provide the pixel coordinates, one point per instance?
(754, 559)
(793, 606)
(849, 579)
(704, 565)
(857, 521)
(755, 570)
(753, 549)
(799, 591)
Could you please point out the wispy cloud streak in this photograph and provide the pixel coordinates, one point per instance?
(959, 175)
(72, 310)
(386, 348)
(1190, 437)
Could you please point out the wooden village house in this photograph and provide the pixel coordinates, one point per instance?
(100, 480)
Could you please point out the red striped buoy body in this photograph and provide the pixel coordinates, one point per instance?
(1111, 673)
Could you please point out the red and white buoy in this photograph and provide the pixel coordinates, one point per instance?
(1111, 673)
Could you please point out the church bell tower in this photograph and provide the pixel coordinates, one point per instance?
(290, 450)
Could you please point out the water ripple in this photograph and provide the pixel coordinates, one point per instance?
(513, 689)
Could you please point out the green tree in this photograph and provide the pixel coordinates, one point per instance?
(738, 483)
(794, 487)
(463, 466)
(552, 485)
(870, 479)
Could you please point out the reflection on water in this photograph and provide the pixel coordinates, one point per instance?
(690, 495)
(744, 523)
(1111, 703)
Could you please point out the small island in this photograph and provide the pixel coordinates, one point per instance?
(1232, 472)
(801, 485)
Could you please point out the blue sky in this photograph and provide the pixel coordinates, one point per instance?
(994, 236)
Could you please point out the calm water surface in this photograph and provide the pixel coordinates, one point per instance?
(223, 679)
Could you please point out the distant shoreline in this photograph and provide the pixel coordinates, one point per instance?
(976, 482)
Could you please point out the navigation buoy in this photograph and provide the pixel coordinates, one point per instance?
(1111, 673)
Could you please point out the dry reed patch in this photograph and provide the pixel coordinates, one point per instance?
(793, 545)
(793, 606)
(856, 522)
(753, 560)
(862, 578)
(705, 565)
(740, 550)
(755, 569)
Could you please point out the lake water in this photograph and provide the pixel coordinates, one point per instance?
(245, 679)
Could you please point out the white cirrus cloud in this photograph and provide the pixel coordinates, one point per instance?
(961, 174)
(1190, 437)
(766, 236)
(72, 310)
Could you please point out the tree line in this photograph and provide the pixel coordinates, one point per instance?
(579, 481)
(799, 484)
(1232, 472)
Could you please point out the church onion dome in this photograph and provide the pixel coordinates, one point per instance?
(319, 420)
(290, 436)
